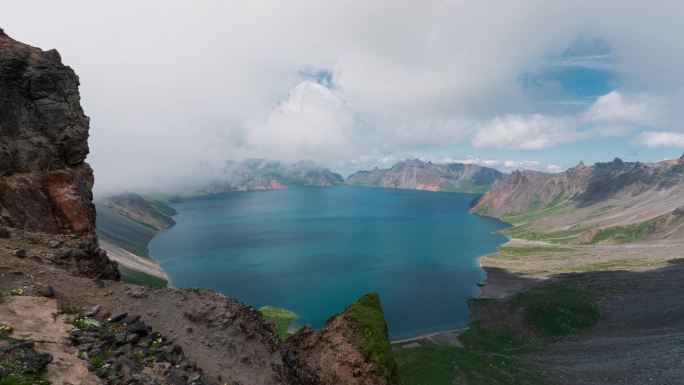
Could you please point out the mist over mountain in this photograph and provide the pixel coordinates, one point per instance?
(175, 89)
(419, 175)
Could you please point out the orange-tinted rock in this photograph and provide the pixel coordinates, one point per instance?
(45, 184)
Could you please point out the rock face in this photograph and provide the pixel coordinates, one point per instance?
(582, 185)
(607, 203)
(352, 347)
(418, 175)
(45, 184)
(259, 174)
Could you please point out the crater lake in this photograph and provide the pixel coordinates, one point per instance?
(315, 250)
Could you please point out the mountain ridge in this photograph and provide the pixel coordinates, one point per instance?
(587, 198)
(419, 175)
(262, 174)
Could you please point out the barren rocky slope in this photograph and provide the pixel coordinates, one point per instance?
(48, 247)
(418, 175)
(138, 209)
(616, 193)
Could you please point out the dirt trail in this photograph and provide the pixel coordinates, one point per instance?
(32, 318)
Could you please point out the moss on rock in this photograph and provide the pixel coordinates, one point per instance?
(367, 313)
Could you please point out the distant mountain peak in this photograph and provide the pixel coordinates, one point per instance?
(582, 185)
(262, 174)
(416, 174)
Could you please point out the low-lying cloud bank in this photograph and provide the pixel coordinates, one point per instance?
(177, 88)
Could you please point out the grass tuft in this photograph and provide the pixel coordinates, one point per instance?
(367, 313)
(280, 318)
(558, 311)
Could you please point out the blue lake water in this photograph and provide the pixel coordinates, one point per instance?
(316, 250)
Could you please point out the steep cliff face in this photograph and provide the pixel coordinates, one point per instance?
(608, 202)
(530, 190)
(418, 175)
(352, 347)
(45, 184)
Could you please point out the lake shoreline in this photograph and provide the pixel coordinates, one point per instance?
(163, 273)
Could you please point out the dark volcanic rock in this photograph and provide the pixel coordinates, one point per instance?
(45, 184)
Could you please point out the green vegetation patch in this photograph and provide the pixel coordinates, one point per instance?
(140, 278)
(13, 364)
(557, 206)
(557, 237)
(491, 348)
(524, 250)
(603, 210)
(559, 310)
(280, 318)
(631, 233)
(17, 292)
(89, 324)
(367, 313)
(436, 364)
(501, 341)
(482, 209)
(162, 203)
(618, 264)
(101, 358)
(22, 379)
(5, 331)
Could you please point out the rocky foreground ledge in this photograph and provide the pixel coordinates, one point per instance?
(227, 341)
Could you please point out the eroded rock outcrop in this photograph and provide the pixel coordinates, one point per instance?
(352, 347)
(45, 183)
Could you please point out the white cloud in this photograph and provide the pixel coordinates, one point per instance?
(523, 132)
(662, 139)
(469, 160)
(181, 86)
(516, 164)
(312, 123)
(611, 115)
(615, 108)
(552, 167)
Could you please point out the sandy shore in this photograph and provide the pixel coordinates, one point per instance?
(132, 261)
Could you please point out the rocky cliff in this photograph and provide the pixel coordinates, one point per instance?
(45, 183)
(585, 200)
(360, 324)
(418, 175)
(125, 333)
(259, 174)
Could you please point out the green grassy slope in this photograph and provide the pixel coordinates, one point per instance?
(503, 330)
